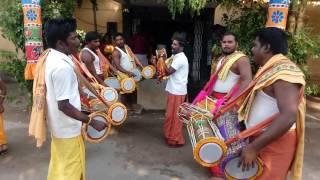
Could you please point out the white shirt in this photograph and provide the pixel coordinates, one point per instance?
(125, 62)
(263, 107)
(177, 83)
(96, 62)
(61, 84)
(226, 85)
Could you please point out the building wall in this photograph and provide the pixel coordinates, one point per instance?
(108, 11)
(311, 18)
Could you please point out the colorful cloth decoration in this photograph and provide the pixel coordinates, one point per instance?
(278, 13)
(32, 34)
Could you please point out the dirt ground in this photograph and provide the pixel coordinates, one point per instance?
(134, 151)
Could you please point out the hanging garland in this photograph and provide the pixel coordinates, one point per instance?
(196, 5)
(175, 6)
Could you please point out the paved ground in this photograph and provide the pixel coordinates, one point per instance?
(134, 151)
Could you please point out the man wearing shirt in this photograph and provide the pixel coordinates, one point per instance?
(176, 92)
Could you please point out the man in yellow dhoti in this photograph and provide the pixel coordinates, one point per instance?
(56, 97)
(279, 90)
(3, 137)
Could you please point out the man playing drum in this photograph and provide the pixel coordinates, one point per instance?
(176, 92)
(279, 91)
(125, 61)
(234, 70)
(56, 97)
(91, 56)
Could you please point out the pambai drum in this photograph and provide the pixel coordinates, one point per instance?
(233, 172)
(148, 72)
(92, 135)
(117, 113)
(109, 94)
(208, 145)
(127, 85)
(112, 82)
(137, 75)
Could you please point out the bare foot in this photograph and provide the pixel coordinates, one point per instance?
(3, 149)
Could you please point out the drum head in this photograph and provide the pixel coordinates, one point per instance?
(137, 75)
(93, 133)
(233, 171)
(128, 85)
(110, 94)
(117, 113)
(88, 92)
(112, 82)
(209, 151)
(148, 72)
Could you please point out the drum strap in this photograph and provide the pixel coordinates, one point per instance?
(85, 82)
(208, 87)
(260, 126)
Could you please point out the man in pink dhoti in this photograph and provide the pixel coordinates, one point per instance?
(176, 92)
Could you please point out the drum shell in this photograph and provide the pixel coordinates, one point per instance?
(85, 127)
(205, 139)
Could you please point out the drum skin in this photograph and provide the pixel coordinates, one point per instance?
(148, 72)
(120, 117)
(127, 85)
(109, 94)
(96, 136)
(112, 82)
(233, 172)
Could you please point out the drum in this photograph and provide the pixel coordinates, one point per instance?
(207, 104)
(137, 75)
(232, 171)
(117, 114)
(208, 145)
(92, 135)
(87, 92)
(127, 85)
(148, 72)
(112, 82)
(109, 94)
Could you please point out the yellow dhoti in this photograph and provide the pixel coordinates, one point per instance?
(67, 159)
(3, 137)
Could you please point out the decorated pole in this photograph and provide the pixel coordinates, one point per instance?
(32, 34)
(278, 13)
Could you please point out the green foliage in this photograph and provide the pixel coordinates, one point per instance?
(312, 90)
(11, 22)
(57, 9)
(15, 68)
(245, 26)
(302, 46)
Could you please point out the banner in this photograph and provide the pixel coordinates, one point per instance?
(33, 35)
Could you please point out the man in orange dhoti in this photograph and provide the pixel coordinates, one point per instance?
(177, 90)
(3, 137)
(278, 91)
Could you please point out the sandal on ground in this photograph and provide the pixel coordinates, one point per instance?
(3, 149)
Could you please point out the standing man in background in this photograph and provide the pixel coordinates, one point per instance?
(176, 92)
